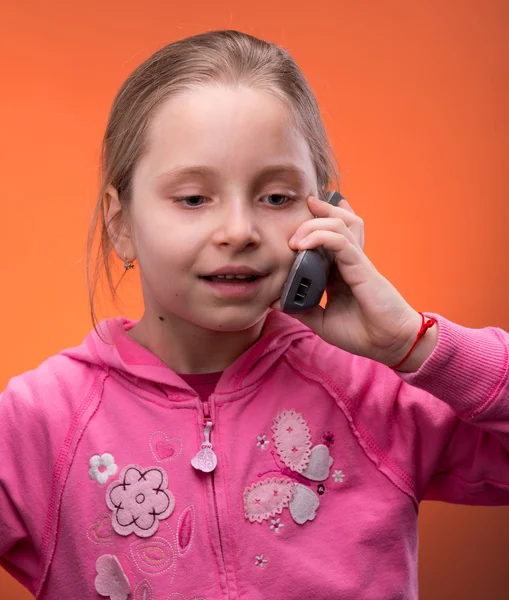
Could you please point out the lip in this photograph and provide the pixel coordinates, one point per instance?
(235, 270)
(235, 289)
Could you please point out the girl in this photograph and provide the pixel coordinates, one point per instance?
(219, 448)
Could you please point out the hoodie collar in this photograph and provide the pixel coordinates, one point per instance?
(119, 352)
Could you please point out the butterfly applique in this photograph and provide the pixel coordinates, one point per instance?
(302, 463)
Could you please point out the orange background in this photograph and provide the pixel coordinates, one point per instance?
(415, 96)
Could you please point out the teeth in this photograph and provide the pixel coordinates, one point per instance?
(232, 276)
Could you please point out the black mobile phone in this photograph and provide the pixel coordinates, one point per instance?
(308, 276)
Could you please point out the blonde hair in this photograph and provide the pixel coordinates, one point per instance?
(215, 57)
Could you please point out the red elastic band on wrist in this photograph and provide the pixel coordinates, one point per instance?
(422, 331)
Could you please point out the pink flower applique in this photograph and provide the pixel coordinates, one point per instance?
(111, 581)
(139, 499)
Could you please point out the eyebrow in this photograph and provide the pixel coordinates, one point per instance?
(271, 171)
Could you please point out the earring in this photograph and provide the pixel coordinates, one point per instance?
(127, 263)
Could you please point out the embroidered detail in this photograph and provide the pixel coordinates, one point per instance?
(262, 442)
(153, 556)
(301, 463)
(185, 530)
(276, 525)
(328, 439)
(321, 489)
(111, 581)
(139, 499)
(338, 476)
(260, 561)
(101, 532)
(143, 591)
(164, 448)
(292, 439)
(160, 554)
(102, 467)
(261, 502)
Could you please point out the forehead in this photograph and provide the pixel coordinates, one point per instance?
(234, 130)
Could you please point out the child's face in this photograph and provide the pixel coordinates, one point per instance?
(235, 133)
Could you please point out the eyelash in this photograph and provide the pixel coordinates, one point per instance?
(182, 199)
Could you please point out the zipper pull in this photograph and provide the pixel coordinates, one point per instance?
(206, 459)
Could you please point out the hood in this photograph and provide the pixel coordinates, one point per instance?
(119, 352)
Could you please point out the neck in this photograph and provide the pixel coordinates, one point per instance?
(189, 349)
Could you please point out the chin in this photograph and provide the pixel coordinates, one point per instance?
(237, 320)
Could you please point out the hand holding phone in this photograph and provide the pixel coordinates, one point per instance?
(308, 276)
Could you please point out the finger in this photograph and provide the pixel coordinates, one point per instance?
(327, 224)
(346, 205)
(344, 211)
(347, 251)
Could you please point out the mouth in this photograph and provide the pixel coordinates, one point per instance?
(232, 279)
(234, 283)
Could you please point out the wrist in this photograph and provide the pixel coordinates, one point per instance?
(420, 343)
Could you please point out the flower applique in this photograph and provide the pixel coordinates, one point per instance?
(328, 439)
(262, 442)
(102, 467)
(265, 499)
(276, 525)
(260, 561)
(139, 499)
(338, 476)
(111, 581)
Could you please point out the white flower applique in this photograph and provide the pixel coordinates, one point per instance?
(102, 467)
(338, 476)
(276, 525)
(262, 442)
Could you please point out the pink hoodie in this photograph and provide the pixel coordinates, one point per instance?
(322, 460)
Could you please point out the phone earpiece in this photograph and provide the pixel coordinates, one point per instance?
(308, 276)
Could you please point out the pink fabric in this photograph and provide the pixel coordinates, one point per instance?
(203, 383)
(327, 509)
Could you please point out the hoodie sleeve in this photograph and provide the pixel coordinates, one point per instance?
(462, 450)
(442, 432)
(37, 413)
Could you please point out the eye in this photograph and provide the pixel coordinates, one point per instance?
(279, 199)
(190, 201)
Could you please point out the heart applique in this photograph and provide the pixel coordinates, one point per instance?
(101, 532)
(164, 448)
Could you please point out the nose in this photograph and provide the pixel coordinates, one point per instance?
(237, 226)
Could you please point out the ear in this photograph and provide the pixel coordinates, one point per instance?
(120, 235)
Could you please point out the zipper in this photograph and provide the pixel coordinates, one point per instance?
(206, 460)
